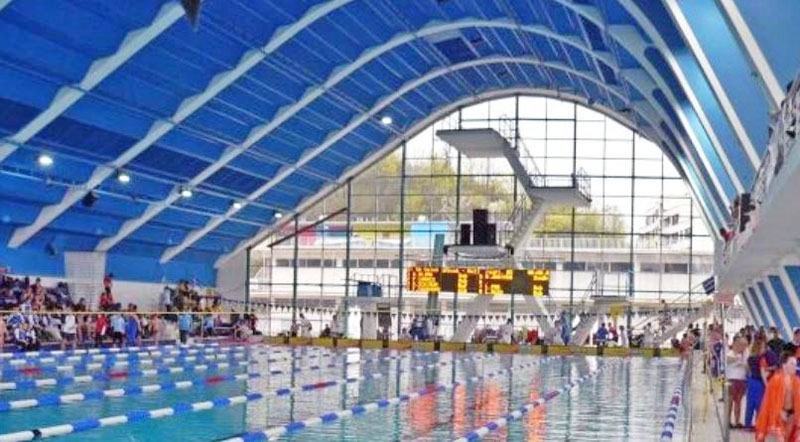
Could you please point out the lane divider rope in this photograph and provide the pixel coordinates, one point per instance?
(674, 406)
(113, 361)
(183, 408)
(364, 408)
(80, 351)
(160, 369)
(480, 432)
(131, 390)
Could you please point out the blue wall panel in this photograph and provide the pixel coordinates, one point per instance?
(786, 303)
(757, 301)
(773, 310)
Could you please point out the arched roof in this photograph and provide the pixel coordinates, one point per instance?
(267, 104)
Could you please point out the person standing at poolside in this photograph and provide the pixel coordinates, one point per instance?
(736, 373)
(755, 381)
(69, 329)
(184, 326)
(777, 416)
(132, 329)
(118, 330)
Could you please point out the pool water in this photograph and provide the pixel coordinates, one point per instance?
(627, 401)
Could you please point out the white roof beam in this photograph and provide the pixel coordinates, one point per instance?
(344, 72)
(753, 51)
(644, 106)
(98, 71)
(368, 55)
(713, 80)
(195, 235)
(159, 128)
(662, 47)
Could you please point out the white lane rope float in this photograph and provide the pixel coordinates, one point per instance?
(668, 430)
(360, 409)
(132, 390)
(183, 408)
(173, 367)
(481, 432)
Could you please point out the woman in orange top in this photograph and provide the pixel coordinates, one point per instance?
(777, 417)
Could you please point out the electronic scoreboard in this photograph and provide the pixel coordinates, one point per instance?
(480, 281)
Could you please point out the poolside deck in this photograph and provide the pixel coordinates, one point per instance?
(708, 411)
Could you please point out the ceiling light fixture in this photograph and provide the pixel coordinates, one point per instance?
(278, 215)
(45, 160)
(237, 205)
(186, 192)
(386, 120)
(123, 177)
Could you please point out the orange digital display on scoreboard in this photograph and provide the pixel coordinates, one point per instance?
(480, 281)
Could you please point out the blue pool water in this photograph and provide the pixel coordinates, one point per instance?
(627, 401)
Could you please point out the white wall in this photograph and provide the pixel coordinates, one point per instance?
(144, 294)
(231, 277)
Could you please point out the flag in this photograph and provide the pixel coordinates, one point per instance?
(709, 285)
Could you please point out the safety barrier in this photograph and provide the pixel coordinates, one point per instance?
(675, 405)
(491, 348)
(481, 432)
(182, 408)
(296, 426)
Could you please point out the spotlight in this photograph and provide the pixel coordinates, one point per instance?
(237, 205)
(386, 120)
(123, 177)
(186, 192)
(45, 160)
(278, 215)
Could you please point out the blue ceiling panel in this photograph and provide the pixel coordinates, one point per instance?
(304, 52)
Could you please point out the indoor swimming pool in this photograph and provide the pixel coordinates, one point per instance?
(207, 393)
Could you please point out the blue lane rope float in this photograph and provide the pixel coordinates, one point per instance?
(113, 363)
(108, 361)
(364, 408)
(110, 376)
(674, 406)
(109, 364)
(183, 408)
(123, 353)
(232, 359)
(130, 390)
(81, 351)
(481, 432)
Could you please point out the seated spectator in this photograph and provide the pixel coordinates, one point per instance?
(326, 332)
(25, 338)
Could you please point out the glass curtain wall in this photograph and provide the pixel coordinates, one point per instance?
(641, 237)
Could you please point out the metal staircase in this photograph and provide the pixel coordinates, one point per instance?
(475, 308)
(588, 318)
(681, 325)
